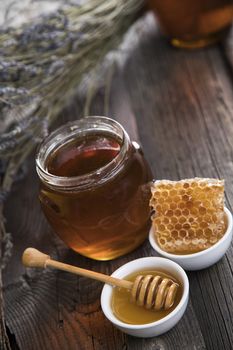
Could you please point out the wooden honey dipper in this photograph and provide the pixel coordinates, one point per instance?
(148, 291)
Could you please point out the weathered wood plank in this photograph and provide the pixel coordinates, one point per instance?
(187, 131)
(187, 340)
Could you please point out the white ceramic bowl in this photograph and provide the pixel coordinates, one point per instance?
(154, 328)
(203, 259)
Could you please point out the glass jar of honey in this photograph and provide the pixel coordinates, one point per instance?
(95, 187)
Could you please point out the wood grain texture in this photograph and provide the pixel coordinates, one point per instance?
(186, 132)
(179, 106)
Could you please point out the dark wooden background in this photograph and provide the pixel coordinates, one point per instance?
(179, 106)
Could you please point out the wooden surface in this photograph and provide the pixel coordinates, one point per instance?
(179, 105)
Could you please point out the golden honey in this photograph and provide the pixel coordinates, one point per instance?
(95, 188)
(129, 312)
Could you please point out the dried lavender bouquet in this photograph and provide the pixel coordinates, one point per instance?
(42, 61)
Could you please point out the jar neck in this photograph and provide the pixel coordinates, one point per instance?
(80, 129)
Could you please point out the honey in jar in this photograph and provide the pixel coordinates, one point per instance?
(129, 312)
(95, 187)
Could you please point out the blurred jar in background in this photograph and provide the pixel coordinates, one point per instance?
(193, 23)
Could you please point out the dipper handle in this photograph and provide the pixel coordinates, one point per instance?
(34, 258)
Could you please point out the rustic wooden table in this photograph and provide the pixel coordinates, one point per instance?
(179, 105)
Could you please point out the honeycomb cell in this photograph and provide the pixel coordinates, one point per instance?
(166, 234)
(157, 220)
(207, 232)
(208, 204)
(164, 194)
(181, 192)
(207, 218)
(178, 226)
(194, 225)
(182, 233)
(176, 199)
(197, 204)
(166, 220)
(174, 220)
(162, 241)
(202, 197)
(173, 206)
(185, 197)
(173, 193)
(194, 211)
(199, 196)
(162, 186)
(158, 207)
(191, 233)
(185, 212)
(181, 205)
(165, 206)
(214, 218)
(193, 184)
(156, 195)
(186, 226)
(169, 213)
(177, 212)
(169, 199)
(174, 234)
(169, 186)
(182, 219)
(186, 185)
(161, 227)
(202, 210)
(199, 232)
(203, 224)
(189, 204)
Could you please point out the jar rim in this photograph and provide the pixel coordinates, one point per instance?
(95, 178)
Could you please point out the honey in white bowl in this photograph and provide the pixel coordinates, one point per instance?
(129, 312)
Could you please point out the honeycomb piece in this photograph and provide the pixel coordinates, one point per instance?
(190, 217)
